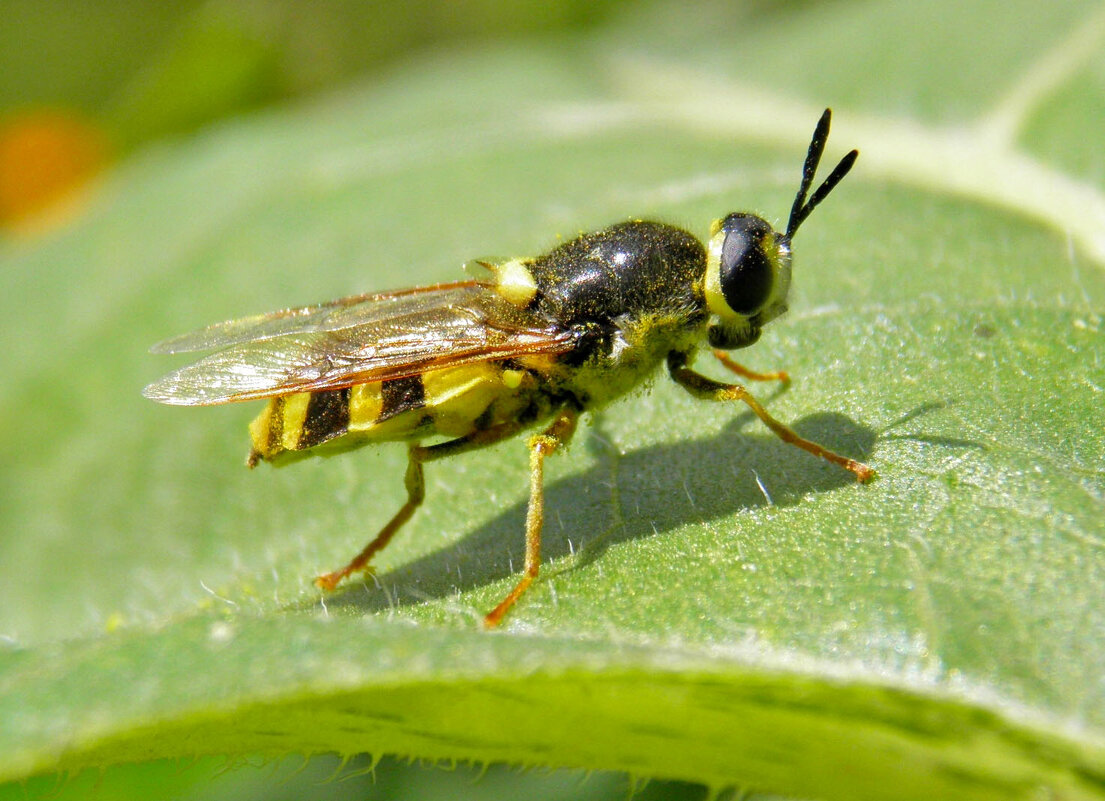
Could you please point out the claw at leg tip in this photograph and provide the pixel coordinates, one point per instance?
(327, 582)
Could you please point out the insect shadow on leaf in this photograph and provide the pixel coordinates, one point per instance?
(660, 488)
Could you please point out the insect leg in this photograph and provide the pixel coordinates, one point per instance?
(702, 387)
(416, 491)
(744, 372)
(540, 446)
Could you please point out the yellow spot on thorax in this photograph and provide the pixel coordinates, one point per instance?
(515, 282)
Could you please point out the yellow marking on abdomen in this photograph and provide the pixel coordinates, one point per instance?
(454, 399)
(458, 396)
(259, 432)
(295, 412)
(366, 401)
(279, 425)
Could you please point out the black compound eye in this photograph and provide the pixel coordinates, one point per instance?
(747, 275)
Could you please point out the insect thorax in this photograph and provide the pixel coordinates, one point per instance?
(634, 292)
(636, 268)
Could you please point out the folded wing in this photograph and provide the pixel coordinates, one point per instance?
(354, 341)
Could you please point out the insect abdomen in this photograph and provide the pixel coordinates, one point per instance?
(299, 421)
(452, 402)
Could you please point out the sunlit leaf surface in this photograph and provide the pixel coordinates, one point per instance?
(715, 606)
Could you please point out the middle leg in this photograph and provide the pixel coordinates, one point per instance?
(540, 446)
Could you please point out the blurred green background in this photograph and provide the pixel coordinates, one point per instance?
(84, 84)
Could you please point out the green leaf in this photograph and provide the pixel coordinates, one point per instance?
(715, 605)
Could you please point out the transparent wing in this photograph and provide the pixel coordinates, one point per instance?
(333, 315)
(376, 338)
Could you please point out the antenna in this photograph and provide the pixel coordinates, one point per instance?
(801, 209)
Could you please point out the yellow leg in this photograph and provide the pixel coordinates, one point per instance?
(702, 387)
(416, 491)
(744, 372)
(540, 446)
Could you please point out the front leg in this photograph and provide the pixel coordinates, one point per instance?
(751, 375)
(706, 388)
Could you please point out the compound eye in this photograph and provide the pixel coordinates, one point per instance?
(747, 275)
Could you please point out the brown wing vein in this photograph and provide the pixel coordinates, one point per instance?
(397, 335)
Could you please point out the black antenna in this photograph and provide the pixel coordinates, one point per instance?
(801, 209)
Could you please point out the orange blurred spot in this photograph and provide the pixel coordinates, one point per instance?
(45, 156)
